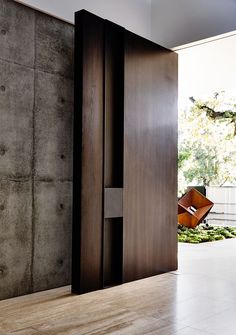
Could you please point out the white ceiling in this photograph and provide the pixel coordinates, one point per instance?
(177, 22)
(131, 14)
(167, 22)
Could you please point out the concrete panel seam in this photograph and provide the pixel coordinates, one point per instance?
(35, 68)
(16, 63)
(54, 73)
(52, 180)
(17, 179)
(33, 171)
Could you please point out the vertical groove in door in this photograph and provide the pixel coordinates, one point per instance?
(125, 147)
(113, 148)
(114, 105)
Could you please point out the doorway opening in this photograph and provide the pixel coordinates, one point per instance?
(207, 142)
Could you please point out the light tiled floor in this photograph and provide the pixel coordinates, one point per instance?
(198, 299)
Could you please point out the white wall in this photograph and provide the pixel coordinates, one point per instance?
(177, 22)
(207, 68)
(131, 14)
(224, 210)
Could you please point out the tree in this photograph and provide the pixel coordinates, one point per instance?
(211, 113)
(207, 143)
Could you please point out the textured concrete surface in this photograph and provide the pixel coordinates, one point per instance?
(54, 45)
(16, 119)
(15, 238)
(52, 254)
(53, 127)
(17, 33)
(36, 121)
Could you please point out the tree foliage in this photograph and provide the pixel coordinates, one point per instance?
(207, 142)
(213, 114)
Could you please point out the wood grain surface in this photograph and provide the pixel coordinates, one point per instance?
(150, 159)
(88, 153)
(125, 137)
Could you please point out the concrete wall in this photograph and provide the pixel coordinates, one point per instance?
(36, 111)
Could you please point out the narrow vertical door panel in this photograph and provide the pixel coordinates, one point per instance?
(113, 153)
(150, 159)
(88, 153)
(113, 105)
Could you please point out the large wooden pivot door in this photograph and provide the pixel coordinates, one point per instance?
(125, 156)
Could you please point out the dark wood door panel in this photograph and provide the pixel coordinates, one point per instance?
(88, 153)
(150, 159)
(125, 144)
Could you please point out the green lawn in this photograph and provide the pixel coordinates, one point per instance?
(205, 234)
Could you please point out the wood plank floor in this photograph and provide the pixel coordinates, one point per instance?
(200, 298)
